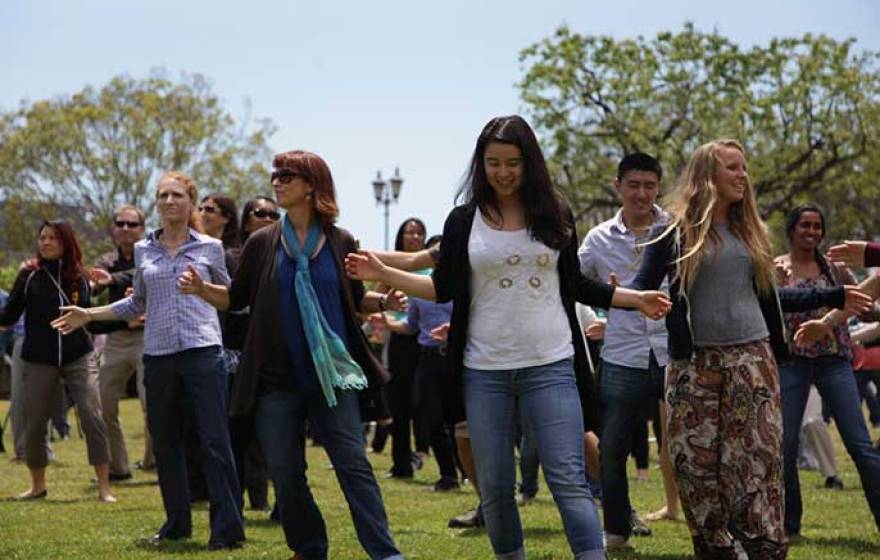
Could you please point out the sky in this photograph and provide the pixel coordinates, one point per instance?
(367, 85)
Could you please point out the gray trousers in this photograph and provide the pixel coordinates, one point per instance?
(16, 403)
(123, 356)
(81, 377)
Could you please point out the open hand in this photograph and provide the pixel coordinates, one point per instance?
(100, 277)
(851, 253)
(441, 333)
(812, 331)
(596, 330)
(363, 265)
(395, 300)
(190, 282)
(857, 301)
(654, 304)
(72, 318)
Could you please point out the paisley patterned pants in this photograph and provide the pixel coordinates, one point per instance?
(725, 441)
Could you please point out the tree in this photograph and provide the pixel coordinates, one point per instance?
(806, 109)
(99, 148)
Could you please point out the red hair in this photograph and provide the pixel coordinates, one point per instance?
(195, 220)
(313, 169)
(71, 256)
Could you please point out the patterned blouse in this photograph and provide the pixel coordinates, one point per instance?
(839, 346)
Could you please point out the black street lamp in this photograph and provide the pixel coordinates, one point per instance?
(386, 193)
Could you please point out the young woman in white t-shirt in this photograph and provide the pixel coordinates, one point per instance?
(509, 264)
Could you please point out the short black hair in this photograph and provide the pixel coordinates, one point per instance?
(639, 161)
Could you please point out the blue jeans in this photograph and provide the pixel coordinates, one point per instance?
(626, 399)
(545, 399)
(528, 466)
(280, 420)
(195, 379)
(833, 377)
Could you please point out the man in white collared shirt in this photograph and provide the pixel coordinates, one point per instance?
(634, 355)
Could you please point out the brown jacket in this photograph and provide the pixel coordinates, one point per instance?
(255, 285)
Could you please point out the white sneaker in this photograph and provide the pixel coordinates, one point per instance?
(613, 541)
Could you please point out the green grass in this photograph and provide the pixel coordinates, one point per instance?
(71, 524)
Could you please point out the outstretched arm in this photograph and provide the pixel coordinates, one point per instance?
(364, 265)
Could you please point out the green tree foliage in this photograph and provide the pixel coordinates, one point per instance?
(806, 109)
(99, 148)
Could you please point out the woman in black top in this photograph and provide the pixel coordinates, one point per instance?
(56, 278)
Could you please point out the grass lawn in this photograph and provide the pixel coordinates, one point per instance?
(72, 524)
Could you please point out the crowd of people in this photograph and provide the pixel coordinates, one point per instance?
(247, 333)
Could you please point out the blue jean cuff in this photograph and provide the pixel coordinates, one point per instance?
(595, 554)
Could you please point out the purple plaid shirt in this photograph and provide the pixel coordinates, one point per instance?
(175, 321)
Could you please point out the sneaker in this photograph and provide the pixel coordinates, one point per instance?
(445, 485)
(638, 525)
(523, 499)
(834, 483)
(617, 542)
(468, 520)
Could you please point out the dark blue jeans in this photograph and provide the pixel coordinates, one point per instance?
(197, 378)
(626, 399)
(833, 377)
(280, 420)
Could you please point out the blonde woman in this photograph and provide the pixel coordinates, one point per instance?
(183, 362)
(725, 337)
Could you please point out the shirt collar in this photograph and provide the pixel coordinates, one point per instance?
(153, 236)
(618, 223)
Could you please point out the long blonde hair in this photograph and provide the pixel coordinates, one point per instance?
(691, 209)
(195, 220)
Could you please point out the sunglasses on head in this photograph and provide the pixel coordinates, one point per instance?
(284, 176)
(208, 209)
(130, 225)
(265, 213)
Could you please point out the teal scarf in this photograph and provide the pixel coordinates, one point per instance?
(333, 364)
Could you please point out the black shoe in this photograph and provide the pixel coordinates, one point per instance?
(638, 525)
(468, 520)
(114, 477)
(163, 536)
(833, 483)
(139, 465)
(445, 485)
(218, 545)
(395, 474)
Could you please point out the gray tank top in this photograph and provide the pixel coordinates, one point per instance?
(724, 305)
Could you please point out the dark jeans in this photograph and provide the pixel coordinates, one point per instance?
(432, 395)
(196, 377)
(863, 378)
(834, 378)
(280, 420)
(627, 395)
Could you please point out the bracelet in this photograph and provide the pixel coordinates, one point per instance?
(383, 302)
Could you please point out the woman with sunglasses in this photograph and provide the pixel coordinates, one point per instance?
(306, 357)
(257, 213)
(220, 219)
(54, 279)
(509, 264)
(184, 372)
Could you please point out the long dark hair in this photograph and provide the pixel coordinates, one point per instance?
(791, 222)
(546, 214)
(230, 212)
(71, 257)
(247, 210)
(398, 241)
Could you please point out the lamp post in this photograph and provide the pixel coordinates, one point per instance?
(386, 193)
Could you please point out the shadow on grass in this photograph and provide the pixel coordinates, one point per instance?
(856, 545)
(183, 546)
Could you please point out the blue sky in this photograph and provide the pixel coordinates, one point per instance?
(368, 85)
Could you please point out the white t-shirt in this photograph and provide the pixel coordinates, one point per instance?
(516, 316)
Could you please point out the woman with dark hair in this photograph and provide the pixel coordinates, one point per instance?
(509, 264)
(826, 363)
(257, 213)
(220, 219)
(306, 357)
(53, 279)
(184, 372)
(403, 359)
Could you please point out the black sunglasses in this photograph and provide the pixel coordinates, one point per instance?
(207, 209)
(130, 225)
(264, 213)
(284, 176)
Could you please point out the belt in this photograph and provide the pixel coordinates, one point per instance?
(433, 351)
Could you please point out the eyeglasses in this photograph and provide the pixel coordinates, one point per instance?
(130, 225)
(207, 209)
(284, 176)
(263, 213)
